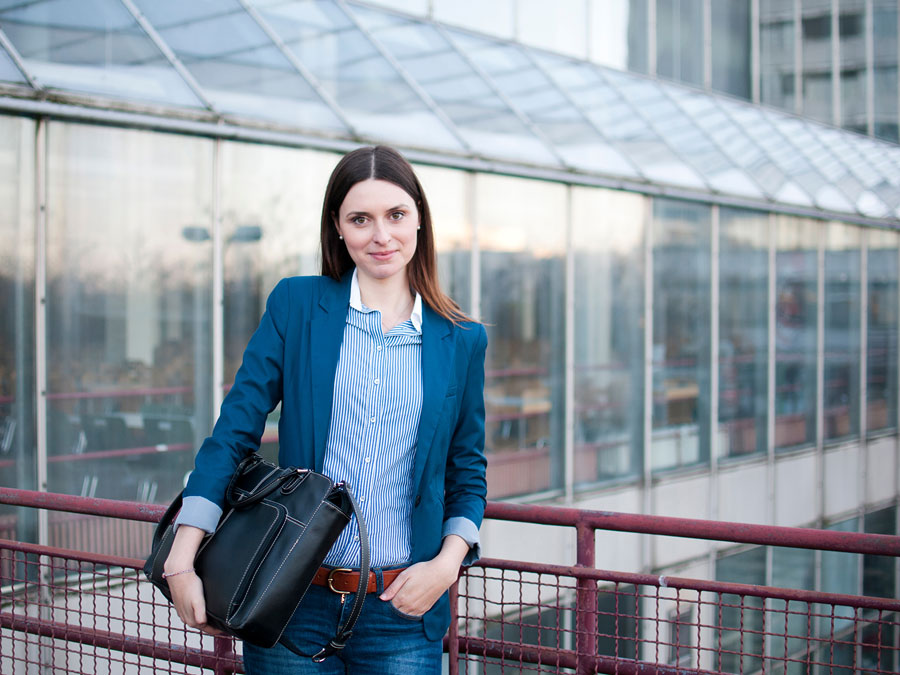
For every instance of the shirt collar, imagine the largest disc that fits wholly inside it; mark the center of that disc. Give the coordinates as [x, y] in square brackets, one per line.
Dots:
[356, 303]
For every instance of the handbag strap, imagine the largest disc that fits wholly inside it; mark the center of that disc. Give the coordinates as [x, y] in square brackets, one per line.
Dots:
[344, 632]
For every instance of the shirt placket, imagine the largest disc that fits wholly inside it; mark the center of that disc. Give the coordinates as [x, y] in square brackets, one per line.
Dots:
[374, 407]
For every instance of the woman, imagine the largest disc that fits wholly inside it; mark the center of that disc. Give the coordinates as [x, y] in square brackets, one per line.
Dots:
[380, 377]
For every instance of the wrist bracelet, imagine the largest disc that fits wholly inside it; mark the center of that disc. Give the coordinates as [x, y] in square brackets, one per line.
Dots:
[175, 574]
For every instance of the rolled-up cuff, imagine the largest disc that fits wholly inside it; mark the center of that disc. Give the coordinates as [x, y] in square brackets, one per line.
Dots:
[468, 531]
[198, 512]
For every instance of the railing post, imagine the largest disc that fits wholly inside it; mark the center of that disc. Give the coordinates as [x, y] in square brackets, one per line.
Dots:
[585, 603]
[453, 634]
[222, 649]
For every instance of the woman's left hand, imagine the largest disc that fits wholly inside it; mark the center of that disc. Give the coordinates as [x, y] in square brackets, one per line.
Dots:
[418, 587]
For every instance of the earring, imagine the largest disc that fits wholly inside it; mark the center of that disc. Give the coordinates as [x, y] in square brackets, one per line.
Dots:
[341, 237]
[419, 227]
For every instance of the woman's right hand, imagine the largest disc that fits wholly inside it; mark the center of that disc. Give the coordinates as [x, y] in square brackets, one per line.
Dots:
[186, 588]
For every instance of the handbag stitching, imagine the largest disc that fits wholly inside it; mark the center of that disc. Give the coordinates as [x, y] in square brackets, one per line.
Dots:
[284, 560]
[339, 510]
[262, 540]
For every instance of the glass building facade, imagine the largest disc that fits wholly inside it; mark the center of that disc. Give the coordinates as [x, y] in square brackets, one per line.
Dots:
[678, 285]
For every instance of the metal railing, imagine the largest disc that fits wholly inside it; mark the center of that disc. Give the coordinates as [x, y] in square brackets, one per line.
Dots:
[74, 611]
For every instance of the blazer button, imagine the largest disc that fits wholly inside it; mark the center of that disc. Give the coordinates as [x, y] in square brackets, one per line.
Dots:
[418, 500]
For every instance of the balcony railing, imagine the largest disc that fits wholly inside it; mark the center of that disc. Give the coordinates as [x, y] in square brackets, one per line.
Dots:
[77, 610]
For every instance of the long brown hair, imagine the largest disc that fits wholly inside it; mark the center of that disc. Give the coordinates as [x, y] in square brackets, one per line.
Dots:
[384, 163]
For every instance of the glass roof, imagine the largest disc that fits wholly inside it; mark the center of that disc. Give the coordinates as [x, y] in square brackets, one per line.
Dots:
[337, 68]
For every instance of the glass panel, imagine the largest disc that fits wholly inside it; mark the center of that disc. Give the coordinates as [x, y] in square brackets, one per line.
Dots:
[129, 260]
[881, 332]
[842, 331]
[743, 331]
[731, 47]
[791, 568]
[485, 121]
[522, 238]
[816, 41]
[529, 89]
[618, 112]
[558, 26]
[880, 571]
[840, 574]
[709, 114]
[741, 619]
[886, 74]
[8, 70]
[854, 94]
[681, 323]
[235, 62]
[92, 46]
[857, 178]
[608, 376]
[369, 90]
[619, 30]
[796, 306]
[18, 442]
[494, 18]
[679, 40]
[448, 193]
[419, 7]
[776, 37]
[695, 146]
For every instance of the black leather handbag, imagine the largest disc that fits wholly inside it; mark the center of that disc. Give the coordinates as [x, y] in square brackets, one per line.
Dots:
[276, 529]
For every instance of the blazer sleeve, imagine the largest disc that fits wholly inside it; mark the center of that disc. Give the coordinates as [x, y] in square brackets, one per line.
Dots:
[256, 391]
[465, 483]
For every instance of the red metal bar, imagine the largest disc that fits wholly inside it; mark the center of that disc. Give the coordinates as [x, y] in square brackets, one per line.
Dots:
[585, 602]
[771, 535]
[116, 641]
[451, 640]
[111, 508]
[80, 556]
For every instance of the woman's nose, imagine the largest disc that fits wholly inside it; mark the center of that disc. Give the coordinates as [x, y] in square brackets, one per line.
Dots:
[382, 234]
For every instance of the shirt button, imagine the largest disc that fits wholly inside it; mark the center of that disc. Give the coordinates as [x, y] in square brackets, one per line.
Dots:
[368, 459]
[356, 538]
[378, 348]
[372, 420]
[377, 381]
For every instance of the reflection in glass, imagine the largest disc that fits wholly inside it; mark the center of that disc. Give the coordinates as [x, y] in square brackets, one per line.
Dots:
[521, 234]
[879, 571]
[619, 30]
[731, 47]
[18, 442]
[447, 191]
[840, 574]
[608, 376]
[679, 40]
[816, 41]
[239, 67]
[681, 319]
[493, 18]
[796, 306]
[741, 619]
[92, 46]
[791, 568]
[854, 93]
[777, 69]
[885, 20]
[743, 331]
[366, 86]
[881, 331]
[128, 311]
[842, 331]
[8, 70]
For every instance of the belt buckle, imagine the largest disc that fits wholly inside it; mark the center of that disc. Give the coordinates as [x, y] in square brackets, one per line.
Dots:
[330, 581]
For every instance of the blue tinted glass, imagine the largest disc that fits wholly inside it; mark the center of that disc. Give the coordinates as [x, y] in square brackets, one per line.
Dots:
[483, 118]
[375, 98]
[8, 70]
[235, 62]
[92, 46]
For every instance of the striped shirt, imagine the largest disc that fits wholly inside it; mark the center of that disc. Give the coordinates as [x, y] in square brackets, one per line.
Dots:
[374, 430]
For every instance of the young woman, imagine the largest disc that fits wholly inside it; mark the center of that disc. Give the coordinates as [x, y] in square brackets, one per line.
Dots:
[380, 377]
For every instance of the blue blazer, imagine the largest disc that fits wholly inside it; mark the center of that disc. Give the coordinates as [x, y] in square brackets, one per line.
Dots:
[292, 358]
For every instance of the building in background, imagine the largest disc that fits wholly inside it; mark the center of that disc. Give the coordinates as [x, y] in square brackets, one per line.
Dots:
[678, 218]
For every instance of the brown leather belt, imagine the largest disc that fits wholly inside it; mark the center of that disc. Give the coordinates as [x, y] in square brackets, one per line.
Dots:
[343, 581]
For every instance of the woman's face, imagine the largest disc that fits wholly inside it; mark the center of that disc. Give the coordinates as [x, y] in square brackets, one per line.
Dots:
[378, 221]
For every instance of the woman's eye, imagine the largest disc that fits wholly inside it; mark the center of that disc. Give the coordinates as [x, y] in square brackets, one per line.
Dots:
[397, 215]
[358, 220]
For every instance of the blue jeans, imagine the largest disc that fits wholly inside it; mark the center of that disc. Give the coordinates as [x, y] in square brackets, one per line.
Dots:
[384, 641]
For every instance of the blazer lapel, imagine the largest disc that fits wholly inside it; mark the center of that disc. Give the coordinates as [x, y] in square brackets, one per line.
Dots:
[437, 367]
[326, 334]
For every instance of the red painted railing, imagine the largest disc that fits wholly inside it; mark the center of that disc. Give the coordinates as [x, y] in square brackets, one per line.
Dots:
[91, 610]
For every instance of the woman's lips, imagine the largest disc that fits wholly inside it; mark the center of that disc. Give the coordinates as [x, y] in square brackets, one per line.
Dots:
[382, 255]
